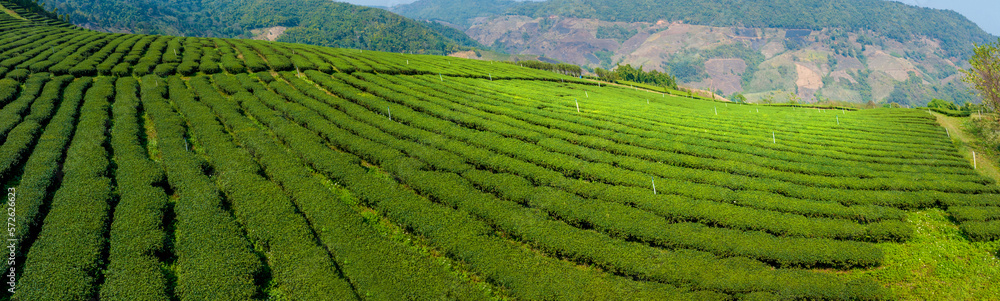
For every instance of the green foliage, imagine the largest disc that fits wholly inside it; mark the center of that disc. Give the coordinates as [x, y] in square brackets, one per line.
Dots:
[42, 166]
[383, 272]
[616, 32]
[455, 35]
[136, 235]
[314, 22]
[567, 69]
[258, 204]
[13, 112]
[751, 57]
[19, 139]
[214, 260]
[77, 215]
[654, 77]
[8, 90]
[454, 11]
[604, 56]
[605, 75]
[985, 73]
[970, 213]
[982, 231]
[938, 261]
[231, 186]
[686, 68]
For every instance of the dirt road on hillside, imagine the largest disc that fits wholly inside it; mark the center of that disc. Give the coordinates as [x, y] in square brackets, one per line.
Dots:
[985, 165]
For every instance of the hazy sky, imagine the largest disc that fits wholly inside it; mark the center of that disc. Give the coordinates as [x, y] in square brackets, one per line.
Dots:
[983, 12]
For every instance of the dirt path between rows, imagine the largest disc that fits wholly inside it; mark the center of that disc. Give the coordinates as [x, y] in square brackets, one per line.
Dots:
[985, 165]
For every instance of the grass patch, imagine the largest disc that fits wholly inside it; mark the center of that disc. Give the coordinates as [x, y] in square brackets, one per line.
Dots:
[939, 263]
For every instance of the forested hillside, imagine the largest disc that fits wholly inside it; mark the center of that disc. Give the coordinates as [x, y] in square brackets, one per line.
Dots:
[316, 22]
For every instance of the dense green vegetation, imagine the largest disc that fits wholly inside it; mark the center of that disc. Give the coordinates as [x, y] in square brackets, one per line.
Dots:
[637, 75]
[157, 167]
[567, 69]
[890, 18]
[616, 32]
[316, 22]
[458, 12]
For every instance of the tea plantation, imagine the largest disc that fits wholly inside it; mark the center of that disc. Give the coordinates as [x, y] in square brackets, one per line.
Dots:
[143, 167]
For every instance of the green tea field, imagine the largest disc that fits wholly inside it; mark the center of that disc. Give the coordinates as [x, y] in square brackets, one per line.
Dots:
[144, 167]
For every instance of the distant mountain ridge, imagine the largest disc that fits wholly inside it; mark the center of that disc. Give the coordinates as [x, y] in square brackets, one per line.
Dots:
[892, 19]
[769, 50]
[317, 22]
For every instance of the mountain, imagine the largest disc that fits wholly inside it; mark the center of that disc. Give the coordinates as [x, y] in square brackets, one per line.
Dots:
[317, 22]
[771, 50]
[458, 12]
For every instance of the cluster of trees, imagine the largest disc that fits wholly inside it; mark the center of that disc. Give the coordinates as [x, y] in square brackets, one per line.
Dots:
[616, 32]
[984, 75]
[629, 73]
[562, 68]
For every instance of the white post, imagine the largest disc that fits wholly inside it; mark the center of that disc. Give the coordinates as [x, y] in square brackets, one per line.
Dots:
[440, 77]
[948, 132]
[974, 166]
[716, 110]
[491, 76]
[390, 113]
[654, 184]
[647, 101]
[773, 140]
[758, 110]
[577, 105]
[407, 62]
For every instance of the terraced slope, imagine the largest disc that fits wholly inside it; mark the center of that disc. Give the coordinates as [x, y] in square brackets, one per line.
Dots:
[156, 167]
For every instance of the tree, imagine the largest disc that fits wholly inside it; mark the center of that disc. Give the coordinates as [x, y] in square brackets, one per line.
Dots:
[985, 74]
[738, 97]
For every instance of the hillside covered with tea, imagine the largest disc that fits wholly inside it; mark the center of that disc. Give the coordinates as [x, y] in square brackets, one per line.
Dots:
[148, 167]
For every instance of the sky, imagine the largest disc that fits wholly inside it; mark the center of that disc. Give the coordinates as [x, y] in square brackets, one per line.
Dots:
[982, 12]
